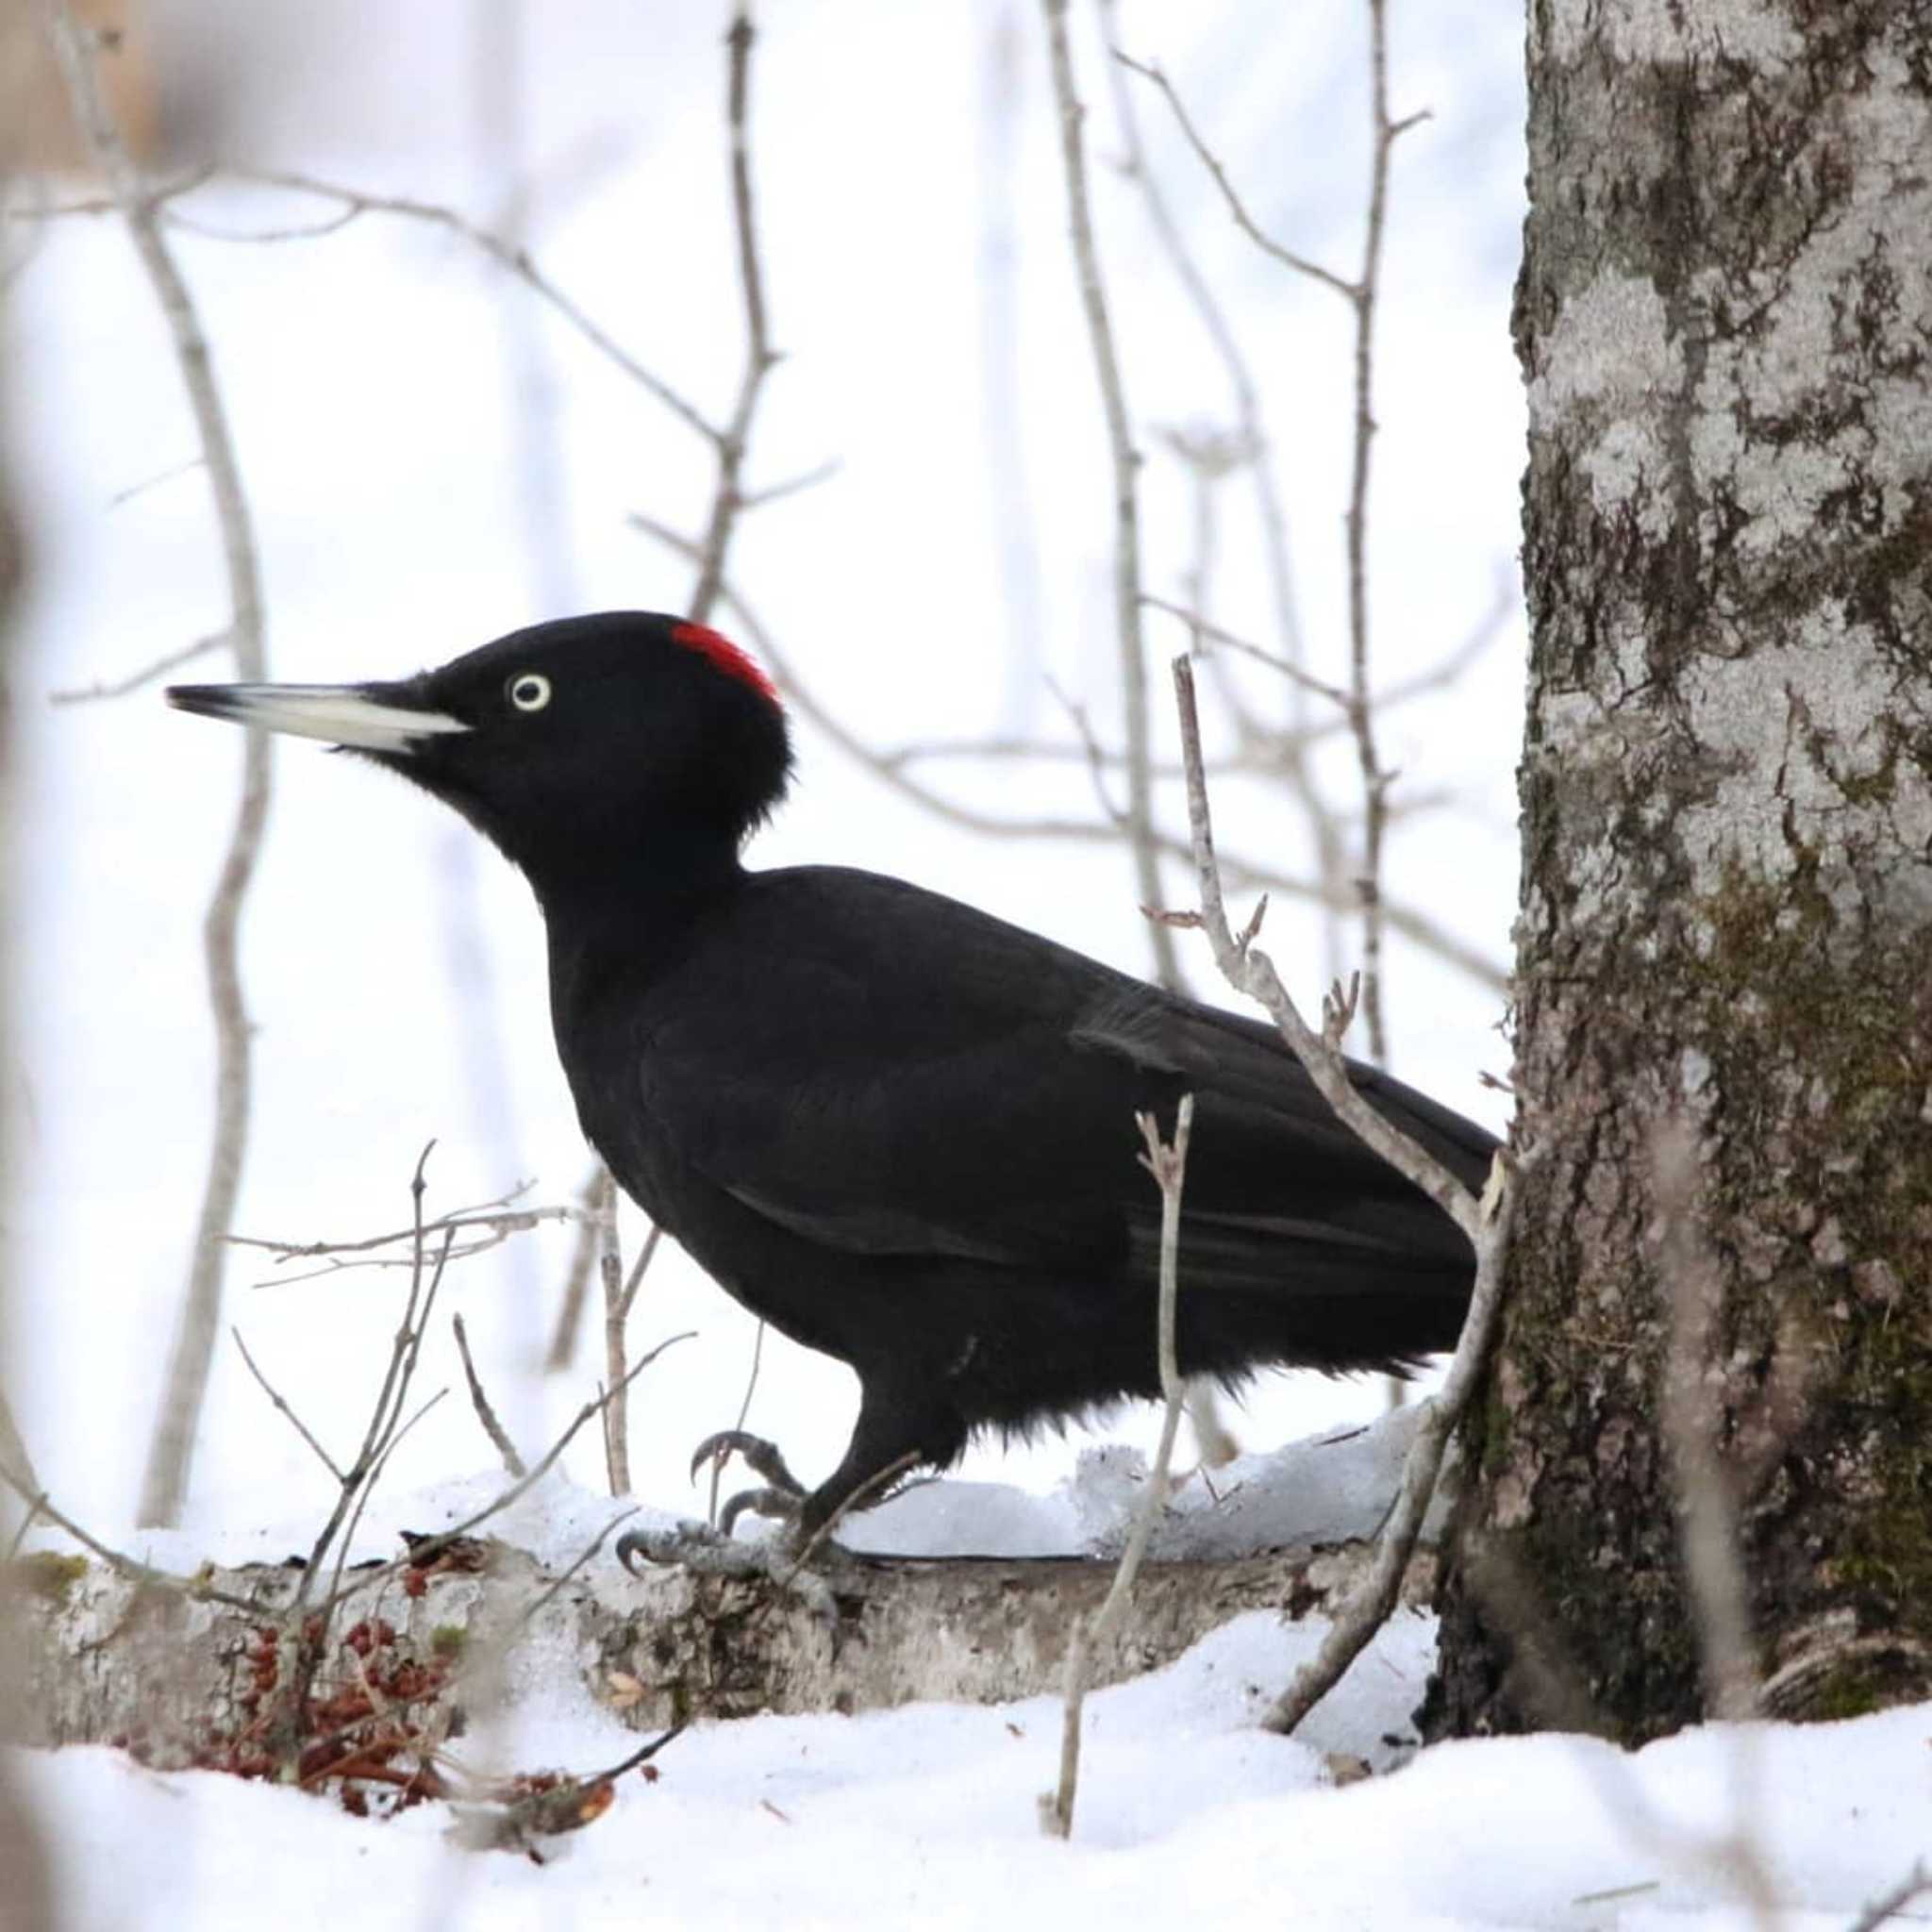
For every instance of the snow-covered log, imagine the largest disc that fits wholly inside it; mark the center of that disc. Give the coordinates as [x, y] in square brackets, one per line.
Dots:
[189, 1680]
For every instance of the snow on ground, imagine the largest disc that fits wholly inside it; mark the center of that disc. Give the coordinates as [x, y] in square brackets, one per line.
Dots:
[926, 1817]
[416, 495]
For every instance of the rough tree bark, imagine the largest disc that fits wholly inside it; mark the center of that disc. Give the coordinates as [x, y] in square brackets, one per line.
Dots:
[1723, 318]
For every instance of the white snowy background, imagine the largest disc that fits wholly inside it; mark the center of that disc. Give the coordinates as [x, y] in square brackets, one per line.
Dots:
[432, 460]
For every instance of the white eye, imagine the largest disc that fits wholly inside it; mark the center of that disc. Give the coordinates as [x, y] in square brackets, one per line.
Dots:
[529, 690]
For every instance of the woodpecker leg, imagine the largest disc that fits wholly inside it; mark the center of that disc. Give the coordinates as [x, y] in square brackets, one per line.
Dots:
[888, 1442]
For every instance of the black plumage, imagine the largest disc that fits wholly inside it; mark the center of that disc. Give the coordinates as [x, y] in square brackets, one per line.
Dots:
[898, 1129]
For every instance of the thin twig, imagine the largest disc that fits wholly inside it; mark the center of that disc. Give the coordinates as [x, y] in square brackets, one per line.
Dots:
[479, 1214]
[516, 261]
[577, 1280]
[1236, 207]
[1890, 1902]
[429, 1549]
[171, 1449]
[1420, 928]
[645, 1255]
[1362, 296]
[728, 504]
[1202, 629]
[479, 1401]
[1250, 970]
[751, 1383]
[496, 1230]
[1251, 434]
[274, 1395]
[391, 1443]
[92, 694]
[610, 1271]
[530, 1613]
[1486, 1223]
[1096, 757]
[1361, 714]
[728, 497]
[40, 1505]
[13, 1450]
[792, 485]
[1126, 464]
[405, 1350]
[1370, 1603]
[499, 1229]
[45, 212]
[1279, 745]
[873, 1490]
[1168, 1164]
[1291, 747]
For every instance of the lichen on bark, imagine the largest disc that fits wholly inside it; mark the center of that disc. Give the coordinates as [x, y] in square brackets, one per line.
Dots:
[1725, 319]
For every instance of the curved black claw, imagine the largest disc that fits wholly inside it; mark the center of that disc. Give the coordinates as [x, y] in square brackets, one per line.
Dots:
[765, 1458]
[705, 1553]
[781, 1505]
[696, 1543]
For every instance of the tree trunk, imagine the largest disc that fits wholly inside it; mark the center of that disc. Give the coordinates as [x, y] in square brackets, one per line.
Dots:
[1723, 318]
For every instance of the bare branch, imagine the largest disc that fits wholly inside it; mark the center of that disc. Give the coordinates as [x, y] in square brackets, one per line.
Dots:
[427, 1550]
[1251, 435]
[577, 1280]
[645, 1255]
[486, 1414]
[1890, 1902]
[384, 1431]
[1487, 1224]
[391, 1443]
[1503, 601]
[40, 1505]
[274, 1395]
[1250, 970]
[1236, 207]
[1369, 1606]
[516, 261]
[1361, 716]
[160, 667]
[533, 1609]
[610, 1271]
[727, 498]
[172, 1449]
[1279, 745]
[14, 1453]
[478, 1214]
[874, 1489]
[1125, 461]
[1290, 748]
[750, 1384]
[792, 485]
[495, 1230]
[1096, 757]
[1167, 1163]
[1362, 294]
[1202, 629]
[1420, 928]
[45, 210]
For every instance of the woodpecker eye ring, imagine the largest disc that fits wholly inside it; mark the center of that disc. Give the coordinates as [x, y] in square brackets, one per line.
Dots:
[529, 690]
